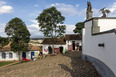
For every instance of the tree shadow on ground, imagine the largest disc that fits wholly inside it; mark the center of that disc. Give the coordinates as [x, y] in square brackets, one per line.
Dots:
[79, 68]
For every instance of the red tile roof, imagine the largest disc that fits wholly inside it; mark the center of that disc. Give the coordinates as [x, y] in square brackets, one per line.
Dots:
[73, 37]
[57, 41]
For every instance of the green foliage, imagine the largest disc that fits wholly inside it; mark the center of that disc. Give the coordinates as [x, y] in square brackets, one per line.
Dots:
[48, 23]
[3, 41]
[4, 63]
[19, 34]
[79, 27]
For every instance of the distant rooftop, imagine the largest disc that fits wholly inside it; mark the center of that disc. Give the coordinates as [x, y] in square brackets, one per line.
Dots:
[39, 38]
[57, 41]
[73, 37]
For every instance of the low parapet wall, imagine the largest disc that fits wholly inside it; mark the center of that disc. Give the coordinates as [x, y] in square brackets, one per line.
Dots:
[100, 49]
[101, 67]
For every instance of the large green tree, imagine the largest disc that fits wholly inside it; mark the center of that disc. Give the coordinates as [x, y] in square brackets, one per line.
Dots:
[78, 28]
[3, 41]
[20, 36]
[50, 23]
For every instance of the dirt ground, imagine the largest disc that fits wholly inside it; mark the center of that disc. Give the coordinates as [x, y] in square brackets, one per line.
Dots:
[68, 65]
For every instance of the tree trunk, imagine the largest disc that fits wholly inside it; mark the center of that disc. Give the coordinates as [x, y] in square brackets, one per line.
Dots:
[52, 48]
[19, 56]
[53, 45]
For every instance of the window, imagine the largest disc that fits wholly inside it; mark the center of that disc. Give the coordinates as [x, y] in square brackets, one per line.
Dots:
[3, 55]
[10, 55]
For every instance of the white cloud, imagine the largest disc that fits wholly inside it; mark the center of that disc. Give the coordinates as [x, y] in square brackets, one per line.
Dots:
[2, 28]
[69, 29]
[36, 5]
[52, 5]
[34, 29]
[66, 9]
[33, 21]
[77, 5]
[2, 3]
[2, 24]
[112, 8]
[5, 8]
[34, 26]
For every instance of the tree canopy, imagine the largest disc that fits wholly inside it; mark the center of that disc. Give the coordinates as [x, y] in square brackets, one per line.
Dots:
[50, 23]
[20, 36]
[78, 27]
[3, 41]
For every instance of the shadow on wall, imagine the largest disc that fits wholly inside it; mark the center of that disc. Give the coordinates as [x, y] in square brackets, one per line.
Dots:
[79, 68]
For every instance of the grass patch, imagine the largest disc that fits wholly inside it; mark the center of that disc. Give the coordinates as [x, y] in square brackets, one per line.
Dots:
[4, 63]
[20, 62]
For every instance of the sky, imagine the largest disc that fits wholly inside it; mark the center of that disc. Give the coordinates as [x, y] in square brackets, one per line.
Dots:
[74, 11]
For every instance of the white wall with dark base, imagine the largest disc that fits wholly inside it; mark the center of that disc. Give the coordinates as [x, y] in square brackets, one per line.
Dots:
[8, 57]
[107, 54]
[46, 50]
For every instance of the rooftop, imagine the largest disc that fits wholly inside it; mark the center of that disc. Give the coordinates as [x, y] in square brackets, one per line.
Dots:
[57, 41]
[73, 37]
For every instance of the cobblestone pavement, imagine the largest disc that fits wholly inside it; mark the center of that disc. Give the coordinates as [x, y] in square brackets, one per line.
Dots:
[68, 65]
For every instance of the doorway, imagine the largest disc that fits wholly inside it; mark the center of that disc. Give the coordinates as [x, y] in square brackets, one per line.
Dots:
[32, 54]
[61, 49]
[50, 49]
[73, 45]
[24, 54]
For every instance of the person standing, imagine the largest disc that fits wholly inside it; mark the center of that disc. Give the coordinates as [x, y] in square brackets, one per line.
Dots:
[41, 54]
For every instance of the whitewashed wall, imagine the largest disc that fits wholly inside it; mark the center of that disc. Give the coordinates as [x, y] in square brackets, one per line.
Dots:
[15, 56]
[105, 54]
[70, 42]
[106, 24]
[45, 46]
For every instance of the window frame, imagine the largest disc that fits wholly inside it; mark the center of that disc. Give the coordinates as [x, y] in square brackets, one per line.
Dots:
[10, 55]
[3, 55]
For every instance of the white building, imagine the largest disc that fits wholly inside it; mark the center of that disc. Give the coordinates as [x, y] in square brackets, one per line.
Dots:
[59, 45]
[68, 43]
[72, 41]
[99, 44]
[7, 55]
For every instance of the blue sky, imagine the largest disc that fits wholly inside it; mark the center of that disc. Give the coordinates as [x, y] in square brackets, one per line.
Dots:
[73, 10]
